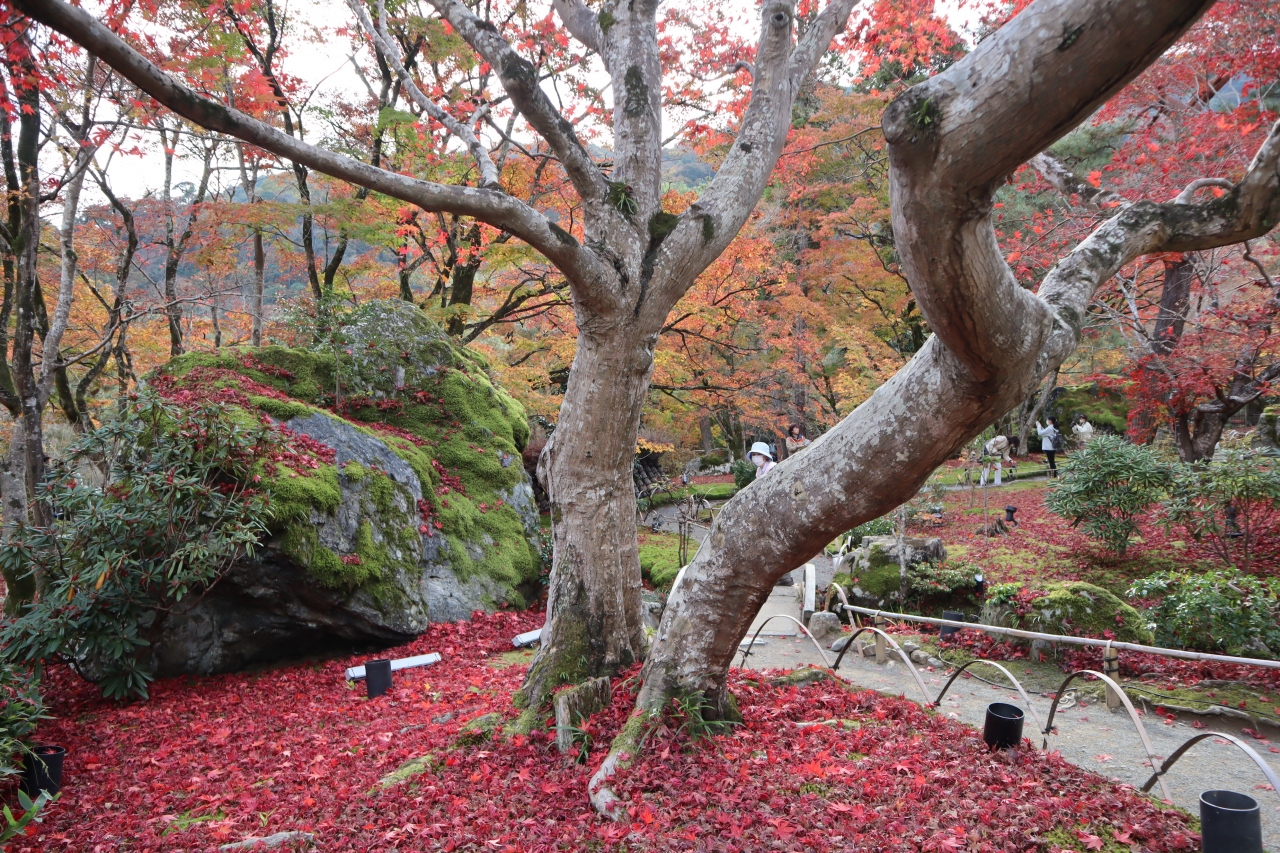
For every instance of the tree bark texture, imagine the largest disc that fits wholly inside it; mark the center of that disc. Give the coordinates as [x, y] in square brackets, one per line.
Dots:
[952, 141]
[586, 468]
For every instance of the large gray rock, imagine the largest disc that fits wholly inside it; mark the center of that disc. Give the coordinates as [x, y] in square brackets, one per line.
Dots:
[824, 626]
[418, 516]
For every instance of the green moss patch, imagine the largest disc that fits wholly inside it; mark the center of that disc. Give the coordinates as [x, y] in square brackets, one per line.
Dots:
[660, 558]
[400, 380]
[1070, 608]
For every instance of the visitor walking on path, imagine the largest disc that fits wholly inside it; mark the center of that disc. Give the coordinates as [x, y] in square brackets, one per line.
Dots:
[796, 440]
[761, 457]
[1083, 429]
[996, 452]
[1050, 443]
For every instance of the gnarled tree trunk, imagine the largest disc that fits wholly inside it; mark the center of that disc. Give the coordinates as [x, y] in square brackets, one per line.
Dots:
[952, 141]
[586, 469]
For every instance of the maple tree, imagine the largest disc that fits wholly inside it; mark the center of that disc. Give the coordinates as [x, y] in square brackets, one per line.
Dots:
[628, 255]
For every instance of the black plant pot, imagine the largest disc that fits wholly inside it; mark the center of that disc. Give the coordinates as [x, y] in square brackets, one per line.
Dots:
[377, 677]
[947, 630]
[1230, 823]
[42, 771]
[1003, 728]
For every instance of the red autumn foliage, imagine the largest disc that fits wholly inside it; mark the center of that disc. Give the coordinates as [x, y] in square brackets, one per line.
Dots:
[213, 760]
[1051, 549]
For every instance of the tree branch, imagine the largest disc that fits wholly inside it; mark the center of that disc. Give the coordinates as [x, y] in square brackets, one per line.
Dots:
[391, 55]
[958, 136]
[714, 220]
[592, 280]
[581, 22]
[520, 80]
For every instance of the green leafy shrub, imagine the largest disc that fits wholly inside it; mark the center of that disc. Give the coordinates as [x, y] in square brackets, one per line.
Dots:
[1224, 611]
[171, 518]
[942, 583]
[21, 707]
[1230, 505]
[1107, 486]
[712, 459]
[1066, 608]
[744, 473]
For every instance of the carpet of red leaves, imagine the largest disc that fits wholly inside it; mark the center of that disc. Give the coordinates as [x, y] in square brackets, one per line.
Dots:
[711, 479]
[1079, 557]
[212, 760]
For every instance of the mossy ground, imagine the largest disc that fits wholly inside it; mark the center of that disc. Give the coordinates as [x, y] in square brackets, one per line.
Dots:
[659, 558]
[436, 408]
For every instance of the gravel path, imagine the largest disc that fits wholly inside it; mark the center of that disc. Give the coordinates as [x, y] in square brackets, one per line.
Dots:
[1088, 735]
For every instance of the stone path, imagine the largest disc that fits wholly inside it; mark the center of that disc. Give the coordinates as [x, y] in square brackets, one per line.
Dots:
[1088, 735]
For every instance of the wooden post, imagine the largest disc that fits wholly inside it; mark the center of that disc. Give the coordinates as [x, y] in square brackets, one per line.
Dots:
[1111, 669]
[881, 652]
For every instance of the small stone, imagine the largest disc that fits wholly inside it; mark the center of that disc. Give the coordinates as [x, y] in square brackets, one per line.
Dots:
[868, 651]
[443, 718]
[919, 656]
[936, 662]
[824, 625]
[270, 841]
[909, 647]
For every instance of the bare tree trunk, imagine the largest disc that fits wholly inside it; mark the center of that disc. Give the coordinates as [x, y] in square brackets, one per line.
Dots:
[259, 268]
[593, 625]
[1033, 417]
[1175, 297]
[704, 433]
[993, 341]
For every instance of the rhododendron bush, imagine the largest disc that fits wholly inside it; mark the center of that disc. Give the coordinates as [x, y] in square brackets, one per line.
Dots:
[822, 766]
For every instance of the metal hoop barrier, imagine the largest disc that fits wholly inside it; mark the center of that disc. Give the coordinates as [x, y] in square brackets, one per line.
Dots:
[834, 590]
[1180, 751]
[905, 657]
[799, 624]
[1009, 675]
[1128, 706]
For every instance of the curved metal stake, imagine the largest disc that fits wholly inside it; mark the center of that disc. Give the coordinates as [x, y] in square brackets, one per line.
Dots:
[799, 624]
[1178, 753]
[1128, 706]
[901, 654]
[833, 590]
[1009, 675]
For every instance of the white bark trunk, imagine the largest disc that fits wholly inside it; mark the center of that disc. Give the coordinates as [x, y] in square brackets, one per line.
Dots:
[593, 608]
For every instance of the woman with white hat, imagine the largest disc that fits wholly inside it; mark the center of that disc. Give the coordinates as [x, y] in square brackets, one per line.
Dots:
[761, 457]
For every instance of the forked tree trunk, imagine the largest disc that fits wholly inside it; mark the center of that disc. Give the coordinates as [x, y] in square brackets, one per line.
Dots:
[593, 626]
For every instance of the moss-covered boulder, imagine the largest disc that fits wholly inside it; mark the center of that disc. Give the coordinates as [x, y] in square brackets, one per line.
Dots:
[1105, 408]
[871, 574]
[1066, 608]
[1267, 435]
[397, 499]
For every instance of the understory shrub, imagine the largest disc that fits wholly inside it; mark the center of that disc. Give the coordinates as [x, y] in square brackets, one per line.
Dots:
[744, 473]
[1223, 611]
[1229, 505]
[1067, 608]
[946, 584]
[172, 517]
[1107, 486]
[21, 708]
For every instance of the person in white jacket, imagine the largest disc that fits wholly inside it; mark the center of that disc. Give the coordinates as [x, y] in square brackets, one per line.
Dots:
[1082, 429]
[1050, 438]
[996, 452]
